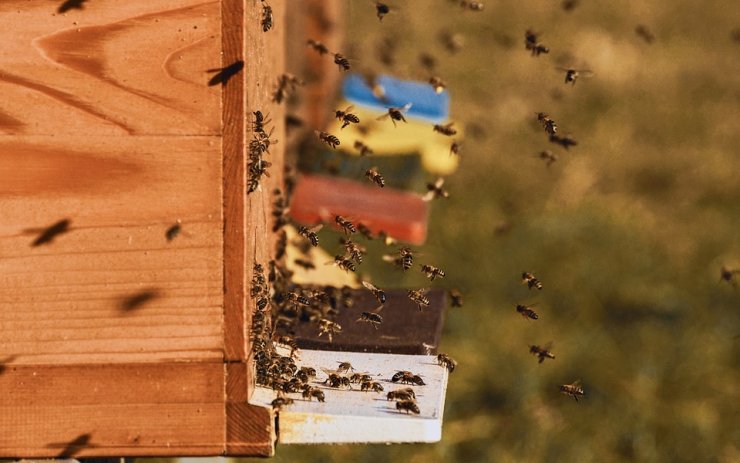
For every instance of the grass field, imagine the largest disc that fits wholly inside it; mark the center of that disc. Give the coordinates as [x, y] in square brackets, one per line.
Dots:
[627, 231]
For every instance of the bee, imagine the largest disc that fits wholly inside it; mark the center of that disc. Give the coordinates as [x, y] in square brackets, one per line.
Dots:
[288, 341]
[310, 371]
[396, 114]
[360, 378]
[310, 234]
[408, 406]
[548, 156]
[281, 245]
[318, 47]
[531, 281]
[564, 141]
[337, 381]
[574, 389]
[445, 129]
[344, 263]
[542, 352]
[419, 298]
[407, 377]
[354, 250]
[456, 298]
[362, 148]
[432, 272]
[285, 86]
[327, 138]
[346, 117]
[571, 75]
[345, 224]
[372, 318]
[371, 386]
[305, 264]
[531, 43]
[437, 84]
[173, 231]
[727, 274]
[447, 362]
[365, 231]
[281, 402]
[374, 176]
[297, 299]
[388, 240]
[644, 33]
[381, 9]
[344, 367]
[402, 394]
[378, 293]
[404, 260]
[329, 328]
[547, 123]
[455, 148]
[473, 6]
[266, 16]
[527, 312]
[260, 121]
[435, 190]
[310, 392]
[342, 62]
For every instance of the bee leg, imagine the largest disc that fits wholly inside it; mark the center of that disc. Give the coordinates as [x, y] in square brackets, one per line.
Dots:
[575, 397]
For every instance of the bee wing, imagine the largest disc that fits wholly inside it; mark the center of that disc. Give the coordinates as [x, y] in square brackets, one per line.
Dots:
[316, 228]
[405, 107]
[428, 196]
[349, 108]
[383, 117]
[548, 346]
[576, 383]
[389, 258]
[440, 181]
[369, 286]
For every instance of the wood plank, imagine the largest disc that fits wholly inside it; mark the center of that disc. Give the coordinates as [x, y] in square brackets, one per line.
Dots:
[111, 410]
[117, 68]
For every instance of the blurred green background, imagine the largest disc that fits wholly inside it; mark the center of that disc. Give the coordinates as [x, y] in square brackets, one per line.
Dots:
[627, 231]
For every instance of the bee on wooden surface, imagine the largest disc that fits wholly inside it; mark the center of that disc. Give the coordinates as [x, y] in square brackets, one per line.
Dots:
[447, 362]
[419, 298]
[354, 250]
[310, 371]
[310, 234]
[381, 9]
[565, 141]
[360, 378]
[327, 138]
[574, 389]
[281, 402]
[288, 341]
[346, 225]
[533, 44]
[337, 381]
[267, 20]
[371, 318]
[285, 86]
[547, 123]
[456, 298]
[318, 46]
[404, 260]
[311, 392]
[408, 406]
[346, 117]
[305, 264]
[371, 386]
[531, 281]
[396, 114]
[527, 312]
[542, 352]
[445, 129]
[362, 148]
[432, 272]
[644, 33]
[378, 293]
[374, 176]
[548, 156]
[342, 62]
[727, 274]
[330, 328]
[437, 84]
[260, 121]
[471, 5]
[402, 394]
[571, 75]
[452, 42]
[173, 231]
[407, 377]
[435, 190]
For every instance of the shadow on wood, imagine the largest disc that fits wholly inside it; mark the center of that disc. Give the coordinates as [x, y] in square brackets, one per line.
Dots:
[224, 74]
[48, 234]
[136, 301]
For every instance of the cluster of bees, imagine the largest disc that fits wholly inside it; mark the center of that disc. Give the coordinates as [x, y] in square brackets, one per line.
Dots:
[258, 146]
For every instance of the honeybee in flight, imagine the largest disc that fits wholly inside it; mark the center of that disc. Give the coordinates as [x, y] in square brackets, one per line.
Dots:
[548, 156]
[419, 298]
[456, 298]
[354, 250]
[329, 328]
[345, 225]
[378, 293]
[455, 147]
[404, 260]
[445, 129]
[435, 190]
[318, 46]
[362, 148]
[727, 274]
[344, 263]
[310, 234]
[550, 127]
[533, 44]
[542, 352]
[571, 75]
[432, 272]
[472, 5]
[396, 114]
[346, 117]
[371, 318]
[574, 389]
[527, 312]
[531, 281]
[374, 176]
[437, 84]
[381, 9]
[327, 138]
[342, 62]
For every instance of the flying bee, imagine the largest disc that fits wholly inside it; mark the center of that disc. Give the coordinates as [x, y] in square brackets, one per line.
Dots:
[342, 62]
[344, 263]
[547, 123]
[527, 312]
[456, 298]
[644, 33]
[535, 46]
[267, 20]
[446, 361]
[285, 86]
[445, 129]
[371, 318]
[565, 141]
[362, 148]
[354, 250]
[531, 281]
[381, 9]
[346, 117]
[542, 352]
[404, 260]
[548, 156]
[345, 225]
[329, 328]
[727, 274]
[418, 297]
[344, 367]
[297, 299]
[318, 47]
[310, 234]
[371, 386]
[435, 190]
[365, 231]
[396, 114]
[437, 84]
[574, 389]
[571, 75]
[473, 6]
[432, 272]
[378, 293]
[374, 176]
[455, 148]
[402, 394]
[327, 138]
